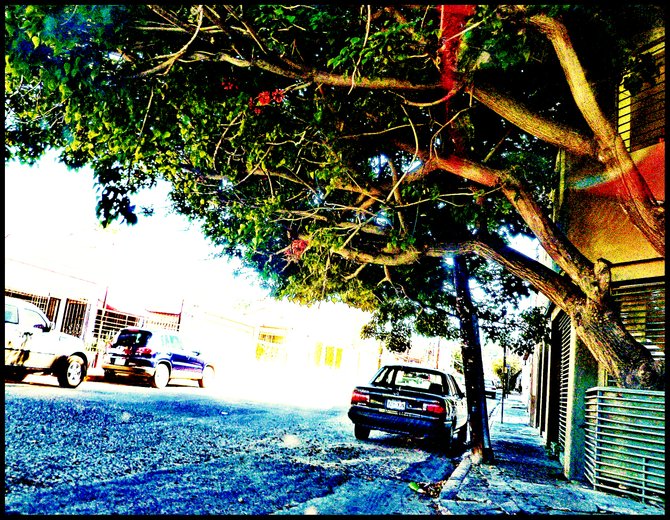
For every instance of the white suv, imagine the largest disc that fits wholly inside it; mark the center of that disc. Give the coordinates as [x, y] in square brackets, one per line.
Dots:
[31, 345]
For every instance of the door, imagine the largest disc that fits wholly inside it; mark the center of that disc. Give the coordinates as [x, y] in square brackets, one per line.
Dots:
[183, 361]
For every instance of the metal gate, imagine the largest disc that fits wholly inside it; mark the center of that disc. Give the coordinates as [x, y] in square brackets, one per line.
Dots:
[625, 442]
[563, 342]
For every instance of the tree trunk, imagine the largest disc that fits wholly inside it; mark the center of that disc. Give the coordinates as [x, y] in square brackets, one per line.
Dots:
[473, 369]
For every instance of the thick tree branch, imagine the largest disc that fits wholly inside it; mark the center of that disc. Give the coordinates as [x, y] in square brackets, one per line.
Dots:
[556, 287]
[326, 78]
[545, 129]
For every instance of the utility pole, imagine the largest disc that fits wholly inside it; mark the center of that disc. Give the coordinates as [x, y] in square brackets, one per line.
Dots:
[504, 384]
[473, 369]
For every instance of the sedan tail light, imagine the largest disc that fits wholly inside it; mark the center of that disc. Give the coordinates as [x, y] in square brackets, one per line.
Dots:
[435, 408]
[360, 397]
[143, 351]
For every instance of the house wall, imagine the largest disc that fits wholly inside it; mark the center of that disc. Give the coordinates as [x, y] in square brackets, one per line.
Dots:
[595, 221]
[590, 211]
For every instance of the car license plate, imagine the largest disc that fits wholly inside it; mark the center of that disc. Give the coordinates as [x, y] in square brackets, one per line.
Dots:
[115, 361]
[394, 404]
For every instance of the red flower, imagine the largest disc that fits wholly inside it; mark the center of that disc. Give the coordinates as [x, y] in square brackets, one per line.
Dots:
[228, 85]
[264, 98]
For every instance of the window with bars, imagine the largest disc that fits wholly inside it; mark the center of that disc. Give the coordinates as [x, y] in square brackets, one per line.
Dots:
[641, 121]
[328, 356]
[642, 310]
[48, 304]
[270, 347]
[73, 319]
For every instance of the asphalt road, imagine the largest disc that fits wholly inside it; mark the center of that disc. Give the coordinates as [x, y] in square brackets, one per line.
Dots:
[107, 448]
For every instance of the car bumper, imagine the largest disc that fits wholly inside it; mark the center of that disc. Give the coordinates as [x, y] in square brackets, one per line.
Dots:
[130, 371]
[398, 422]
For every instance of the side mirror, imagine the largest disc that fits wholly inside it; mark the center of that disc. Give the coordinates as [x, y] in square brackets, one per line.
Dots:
[46, 328]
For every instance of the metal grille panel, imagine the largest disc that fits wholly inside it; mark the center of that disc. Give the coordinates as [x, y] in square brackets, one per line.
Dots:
[625, 442]
[642, 308]
[564, 344]
[641, 121]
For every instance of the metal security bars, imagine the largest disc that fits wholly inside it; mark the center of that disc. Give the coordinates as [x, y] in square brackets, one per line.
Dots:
[625, 442]
[642, 308]
[563, 342]
[641, 120]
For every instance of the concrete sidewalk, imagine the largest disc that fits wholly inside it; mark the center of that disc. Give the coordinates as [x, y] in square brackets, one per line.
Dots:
[523, 480]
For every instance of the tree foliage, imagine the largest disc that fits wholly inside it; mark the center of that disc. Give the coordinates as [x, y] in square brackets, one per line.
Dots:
[317, 143]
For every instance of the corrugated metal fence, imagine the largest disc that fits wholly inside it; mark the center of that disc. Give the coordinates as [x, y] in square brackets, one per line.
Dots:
[625, 442]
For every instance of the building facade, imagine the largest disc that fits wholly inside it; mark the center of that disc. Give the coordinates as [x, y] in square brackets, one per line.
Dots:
[610, 437]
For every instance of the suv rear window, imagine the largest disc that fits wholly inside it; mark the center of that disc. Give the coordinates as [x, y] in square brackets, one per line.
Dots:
[133, 339]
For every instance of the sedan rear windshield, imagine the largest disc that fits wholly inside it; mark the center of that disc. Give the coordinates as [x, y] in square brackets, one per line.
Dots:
[412, 379]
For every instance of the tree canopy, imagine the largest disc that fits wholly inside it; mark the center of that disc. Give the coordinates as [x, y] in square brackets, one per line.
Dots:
[323, 146]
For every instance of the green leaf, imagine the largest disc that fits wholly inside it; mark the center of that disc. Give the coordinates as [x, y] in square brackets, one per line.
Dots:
[416, 488]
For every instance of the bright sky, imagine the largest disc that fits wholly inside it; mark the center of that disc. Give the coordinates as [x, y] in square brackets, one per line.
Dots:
[50, 221]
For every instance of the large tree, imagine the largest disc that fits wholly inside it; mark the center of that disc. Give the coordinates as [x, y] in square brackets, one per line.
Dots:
[327, 148]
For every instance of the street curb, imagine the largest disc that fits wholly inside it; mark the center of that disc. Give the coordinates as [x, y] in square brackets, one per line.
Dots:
[453, 484]
[455, 480]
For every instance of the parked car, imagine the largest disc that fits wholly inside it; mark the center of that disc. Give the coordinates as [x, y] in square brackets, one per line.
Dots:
[156, 356]
[490, 388]
[411, 400]
[33, 346]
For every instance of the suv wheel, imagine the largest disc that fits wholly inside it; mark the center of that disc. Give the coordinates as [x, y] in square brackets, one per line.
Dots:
[161, 376]
[207, 377]
[72, 373]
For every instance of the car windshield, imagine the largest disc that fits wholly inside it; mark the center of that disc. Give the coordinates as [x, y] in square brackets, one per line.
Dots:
[11, 314]
[411, 378]
[133, 338]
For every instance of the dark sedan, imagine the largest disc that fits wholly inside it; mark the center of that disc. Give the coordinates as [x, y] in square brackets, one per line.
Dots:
[410, 400]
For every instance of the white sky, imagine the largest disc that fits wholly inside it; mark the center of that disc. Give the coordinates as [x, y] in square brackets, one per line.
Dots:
[50, 221]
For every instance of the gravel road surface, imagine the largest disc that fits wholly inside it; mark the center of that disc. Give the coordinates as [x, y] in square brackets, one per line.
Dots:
[123, 449]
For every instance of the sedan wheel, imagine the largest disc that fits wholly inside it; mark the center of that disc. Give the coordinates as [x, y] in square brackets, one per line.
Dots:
[207, 377]
[161, 376]
[462, 436]
[73, 373]
[361, 432]
[446, 441]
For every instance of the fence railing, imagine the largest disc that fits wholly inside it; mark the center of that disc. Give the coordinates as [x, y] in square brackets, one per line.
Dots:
[625, 442]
